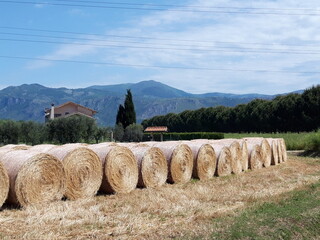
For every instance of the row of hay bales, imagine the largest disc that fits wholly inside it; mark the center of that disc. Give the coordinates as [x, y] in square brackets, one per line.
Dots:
[45, 173]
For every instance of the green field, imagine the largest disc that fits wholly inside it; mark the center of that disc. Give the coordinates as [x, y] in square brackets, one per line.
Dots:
[295, 216]
[294, 141]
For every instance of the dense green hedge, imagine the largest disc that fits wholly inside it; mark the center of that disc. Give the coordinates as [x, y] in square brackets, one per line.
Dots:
[285, 113]
[184, 136]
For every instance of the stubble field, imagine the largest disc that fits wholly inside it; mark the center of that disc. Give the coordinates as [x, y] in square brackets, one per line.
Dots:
[175, 211]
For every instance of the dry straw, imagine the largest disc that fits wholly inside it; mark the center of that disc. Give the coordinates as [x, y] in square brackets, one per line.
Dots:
[280, 151]
[34, 177]
[16, 147]
[204, 160]
[120, 169]
[283, 149]
[274, 151]
[82, 167]
[236, 153]
[224, 158]
[180, 160]
[4, 184]
[153, 166]
[266, 153]
[244, 155]
[255, 157]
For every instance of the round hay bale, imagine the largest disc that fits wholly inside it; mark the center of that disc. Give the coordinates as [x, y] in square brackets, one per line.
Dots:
[180, 160]
[244, 155]
[224, 158]
[236, 153]
[236, 156]
[255, 158]
[266, 153]
[284, 150]
[274, 151]
[265, 149]
[82, 167]
[34, 177]
[204, 160]
[4, 184]
[280, 151]
[244, 158]
[275, 155]
[152, 164]
[120, 169]
[223, 154]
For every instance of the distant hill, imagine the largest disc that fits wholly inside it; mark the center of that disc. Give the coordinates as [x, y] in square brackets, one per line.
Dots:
[28, 101]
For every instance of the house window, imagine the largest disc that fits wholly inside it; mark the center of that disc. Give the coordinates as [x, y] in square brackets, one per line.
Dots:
[57, 115]
[66, 113]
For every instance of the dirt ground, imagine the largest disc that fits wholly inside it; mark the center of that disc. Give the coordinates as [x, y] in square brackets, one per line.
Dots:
[172, 211]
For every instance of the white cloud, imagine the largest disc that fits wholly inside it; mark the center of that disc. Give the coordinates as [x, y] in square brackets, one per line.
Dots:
[216, 28]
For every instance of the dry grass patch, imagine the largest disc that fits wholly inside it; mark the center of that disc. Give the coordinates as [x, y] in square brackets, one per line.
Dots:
[171, 211]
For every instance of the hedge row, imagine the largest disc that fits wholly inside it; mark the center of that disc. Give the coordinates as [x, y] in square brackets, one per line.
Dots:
[183, 136]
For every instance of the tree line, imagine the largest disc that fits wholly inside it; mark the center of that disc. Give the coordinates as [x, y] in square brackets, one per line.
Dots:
[285, 113]
[58, 131]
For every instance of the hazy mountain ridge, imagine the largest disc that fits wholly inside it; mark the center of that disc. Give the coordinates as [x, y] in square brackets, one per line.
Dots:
[28, 101]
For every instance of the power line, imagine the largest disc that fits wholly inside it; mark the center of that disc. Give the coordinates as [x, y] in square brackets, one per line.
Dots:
[160, 9]
[159, 67]
[197, 48]
[152, 38]
[190, 6]
[246, 50]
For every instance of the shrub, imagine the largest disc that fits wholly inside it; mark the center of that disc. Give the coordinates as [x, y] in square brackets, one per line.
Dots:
[313, 142]
[184, 136]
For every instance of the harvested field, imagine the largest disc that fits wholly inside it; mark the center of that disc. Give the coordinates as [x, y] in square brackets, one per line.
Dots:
[172, 211]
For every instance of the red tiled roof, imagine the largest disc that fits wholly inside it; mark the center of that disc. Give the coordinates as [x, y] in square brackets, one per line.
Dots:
[156, 129]
[72, 103]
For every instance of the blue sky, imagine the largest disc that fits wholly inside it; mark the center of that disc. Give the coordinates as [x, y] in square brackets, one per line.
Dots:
[198, 46]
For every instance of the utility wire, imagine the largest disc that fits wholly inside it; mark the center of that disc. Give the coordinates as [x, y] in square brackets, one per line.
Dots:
[247, 50]
[159, 9]
[191, 6]
[152, 38]
[195, 47]
[159, 67]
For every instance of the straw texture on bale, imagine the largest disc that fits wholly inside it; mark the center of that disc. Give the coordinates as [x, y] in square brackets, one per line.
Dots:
[204, 160]
[16, 147]
[152, 164]
[4, 184]
[255, 158]
[120, 169]
[82, 167]
[280, 151]
[34, 177]
[244, 155]
[224, 158]
[274, 151]
[284, 150]
[236, 155]
[180, 160]
[265, 151]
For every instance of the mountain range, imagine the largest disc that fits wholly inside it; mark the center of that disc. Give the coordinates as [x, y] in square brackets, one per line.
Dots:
[151, 98]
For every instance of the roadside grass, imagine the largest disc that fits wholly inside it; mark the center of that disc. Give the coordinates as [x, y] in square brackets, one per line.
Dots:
[294, 141]
[293, 215]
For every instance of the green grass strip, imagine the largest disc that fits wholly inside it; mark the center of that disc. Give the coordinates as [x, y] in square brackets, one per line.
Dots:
[297, 216]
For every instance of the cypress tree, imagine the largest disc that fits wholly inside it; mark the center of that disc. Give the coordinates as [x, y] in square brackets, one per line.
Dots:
[126, 114]
[130, 114]
[120, 115]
